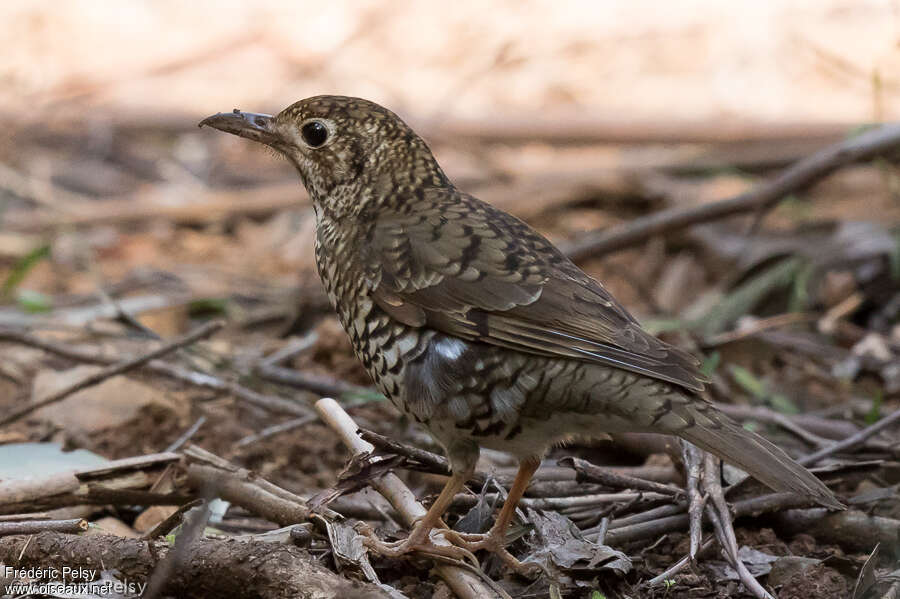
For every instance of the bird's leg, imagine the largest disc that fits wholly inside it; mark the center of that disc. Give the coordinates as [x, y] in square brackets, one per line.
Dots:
[419, 538]
[495, 540]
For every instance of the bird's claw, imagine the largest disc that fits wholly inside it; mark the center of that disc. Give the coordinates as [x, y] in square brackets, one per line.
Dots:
[419, 541]
[495, 543]
[461, 546]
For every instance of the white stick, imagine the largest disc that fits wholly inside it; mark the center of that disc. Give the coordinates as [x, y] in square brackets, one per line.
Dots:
[465, 584]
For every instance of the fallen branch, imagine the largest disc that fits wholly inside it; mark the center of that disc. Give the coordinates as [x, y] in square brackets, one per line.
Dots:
[669, 523]
[124, 481]
[851, 529]
[851, 441]
[595, 474]
[799, 176]
[28, 527]
[232, 569]
[242, 487]
[202, 332]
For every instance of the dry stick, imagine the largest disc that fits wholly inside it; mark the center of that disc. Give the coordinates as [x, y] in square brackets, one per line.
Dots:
[720, 517]
[822, 429]
[30, 527]
[692, 458]
[462, 581]
[798, 176]
[642, 528]
[427, 461]
[316, 383]
[746, 507]
[245, 488]
[275, 429]
[434, 462]
[595, 474]
[678, 566]
[199, 379]
[186, 435]
[729, 549]
[851, 441]
[116, 369]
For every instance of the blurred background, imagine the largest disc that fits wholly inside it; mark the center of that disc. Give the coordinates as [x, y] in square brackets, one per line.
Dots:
[121, 220]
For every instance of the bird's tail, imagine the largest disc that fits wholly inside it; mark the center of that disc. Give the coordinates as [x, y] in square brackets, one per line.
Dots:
[716, 433]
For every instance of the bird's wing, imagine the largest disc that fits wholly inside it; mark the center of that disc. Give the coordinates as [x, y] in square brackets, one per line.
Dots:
[463, 267]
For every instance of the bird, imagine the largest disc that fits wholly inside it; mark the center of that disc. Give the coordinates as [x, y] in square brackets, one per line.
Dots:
[475, 325]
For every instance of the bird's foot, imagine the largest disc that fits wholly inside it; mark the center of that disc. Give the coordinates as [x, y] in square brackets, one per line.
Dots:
[493, 542]
[422, 539]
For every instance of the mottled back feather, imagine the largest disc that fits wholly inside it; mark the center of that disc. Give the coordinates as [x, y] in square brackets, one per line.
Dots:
[463, 267]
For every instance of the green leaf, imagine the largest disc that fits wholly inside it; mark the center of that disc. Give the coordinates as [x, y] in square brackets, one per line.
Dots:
[597, 595]
[782, 403]
[207, 306]
[800, 289]
[655, 326]
[756, 387]
[746, 296]
[21, 268]
[354, 398]
[874, 414]
[748, 381]
[710, 363]
[894, 259]
[34, 301]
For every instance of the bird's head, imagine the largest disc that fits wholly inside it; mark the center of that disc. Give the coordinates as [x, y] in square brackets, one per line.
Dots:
[351, 153]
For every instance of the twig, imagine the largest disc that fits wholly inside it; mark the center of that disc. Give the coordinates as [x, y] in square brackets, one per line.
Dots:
[116, 369]
[30, 527]
[171, 521]
[294, 347]
[678, 566]
[275, 429]
[692, 459]
[199, 379]
[818, 429]
[318, 384]
[718, 513]
[729, 549]
[186, 435]
[747, 507]
[798, 176]
[244, 488]
[851, 441]
[589, 472]
[757, 326]
[463, 582]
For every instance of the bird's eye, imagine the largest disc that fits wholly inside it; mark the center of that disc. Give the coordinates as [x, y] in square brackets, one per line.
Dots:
[314, 133]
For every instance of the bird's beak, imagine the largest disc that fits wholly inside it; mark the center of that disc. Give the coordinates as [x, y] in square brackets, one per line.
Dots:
[258, 127]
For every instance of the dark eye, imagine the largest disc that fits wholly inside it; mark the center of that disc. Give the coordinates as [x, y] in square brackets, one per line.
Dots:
[314, 133]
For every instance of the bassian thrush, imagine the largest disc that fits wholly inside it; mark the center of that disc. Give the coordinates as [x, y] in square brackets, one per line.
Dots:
[474, 324]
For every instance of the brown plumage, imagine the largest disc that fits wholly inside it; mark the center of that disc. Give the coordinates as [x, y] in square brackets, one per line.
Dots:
[473, 323]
